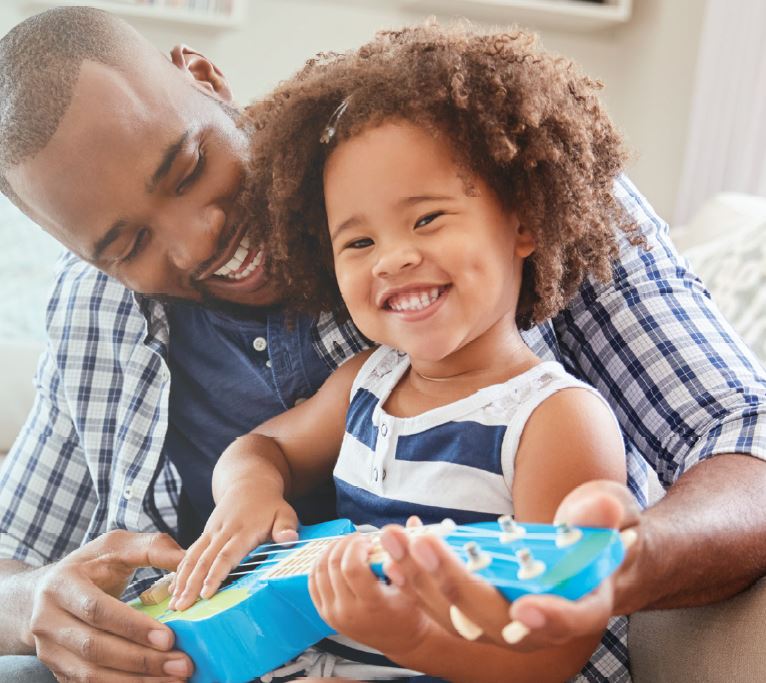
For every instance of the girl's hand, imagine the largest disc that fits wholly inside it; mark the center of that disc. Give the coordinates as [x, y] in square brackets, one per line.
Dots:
[237, 525]
[357, 604]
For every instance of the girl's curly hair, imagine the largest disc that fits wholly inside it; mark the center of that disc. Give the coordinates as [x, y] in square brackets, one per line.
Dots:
[527, 122]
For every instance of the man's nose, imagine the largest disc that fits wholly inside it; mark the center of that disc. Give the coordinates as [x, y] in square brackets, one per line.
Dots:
[395, 258]
[192, 236]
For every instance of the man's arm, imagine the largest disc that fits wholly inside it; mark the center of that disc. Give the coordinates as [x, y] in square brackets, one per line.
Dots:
[703, 542]
[16, 588]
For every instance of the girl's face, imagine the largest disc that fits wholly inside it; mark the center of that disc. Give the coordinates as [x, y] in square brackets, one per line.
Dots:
[421, 265]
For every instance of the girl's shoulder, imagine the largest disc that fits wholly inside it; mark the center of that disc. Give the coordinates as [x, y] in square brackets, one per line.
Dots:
[382, 369]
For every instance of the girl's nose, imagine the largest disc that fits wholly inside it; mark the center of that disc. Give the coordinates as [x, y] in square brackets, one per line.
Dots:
[395, 259]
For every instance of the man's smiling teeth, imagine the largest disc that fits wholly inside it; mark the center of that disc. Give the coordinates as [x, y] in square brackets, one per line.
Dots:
[413, 301]
[230, 269]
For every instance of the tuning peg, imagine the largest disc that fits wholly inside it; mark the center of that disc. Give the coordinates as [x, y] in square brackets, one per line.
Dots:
[476, 558]
[567, 535]
[510, 530]
[530, 567]
[158, 591]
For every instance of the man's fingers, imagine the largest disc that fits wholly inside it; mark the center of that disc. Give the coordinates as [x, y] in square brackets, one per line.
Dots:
[141, 550]
[599, 503]
[68, 667]
[102, 649]
[552, 620]
[103, 612]
[474, 598]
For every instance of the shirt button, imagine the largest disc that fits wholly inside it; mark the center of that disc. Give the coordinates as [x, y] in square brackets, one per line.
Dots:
[375, 474]
[384, 475]
[127, 494]
[259, 344]
[384, 429]
[298, 401]
[268, 363]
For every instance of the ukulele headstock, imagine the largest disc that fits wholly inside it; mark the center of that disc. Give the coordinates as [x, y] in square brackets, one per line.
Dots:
[521, 559]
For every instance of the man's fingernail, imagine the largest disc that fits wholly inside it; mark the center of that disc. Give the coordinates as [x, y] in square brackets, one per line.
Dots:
[176, 667]
[514, 632]
[628, 537]
[393, 546]
[424, 555]
[160, 639]
[533, 618]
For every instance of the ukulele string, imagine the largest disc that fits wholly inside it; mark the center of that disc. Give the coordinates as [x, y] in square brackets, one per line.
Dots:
[274, 557]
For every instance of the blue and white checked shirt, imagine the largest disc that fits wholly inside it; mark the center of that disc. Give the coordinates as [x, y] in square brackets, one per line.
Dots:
[89, 458]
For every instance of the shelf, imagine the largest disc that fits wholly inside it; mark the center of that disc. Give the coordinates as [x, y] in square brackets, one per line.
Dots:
[211, 19]
[579, 15]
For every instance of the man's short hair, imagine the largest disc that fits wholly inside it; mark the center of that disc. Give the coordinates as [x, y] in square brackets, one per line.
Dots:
[40, 62]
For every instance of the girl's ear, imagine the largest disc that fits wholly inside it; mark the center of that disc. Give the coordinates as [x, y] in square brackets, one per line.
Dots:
[525, 242]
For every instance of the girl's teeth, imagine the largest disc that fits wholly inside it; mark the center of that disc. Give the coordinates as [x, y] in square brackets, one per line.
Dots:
[414, 302]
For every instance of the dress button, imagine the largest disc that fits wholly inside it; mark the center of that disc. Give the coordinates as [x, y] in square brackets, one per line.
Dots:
[384, 429]
[298, 401]
[127, 494]
[259, 344]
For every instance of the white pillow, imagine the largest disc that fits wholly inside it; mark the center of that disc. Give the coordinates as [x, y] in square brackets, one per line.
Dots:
[733, 268]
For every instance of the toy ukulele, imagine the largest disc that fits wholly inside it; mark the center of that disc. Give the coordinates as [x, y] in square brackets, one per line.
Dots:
[263, 616]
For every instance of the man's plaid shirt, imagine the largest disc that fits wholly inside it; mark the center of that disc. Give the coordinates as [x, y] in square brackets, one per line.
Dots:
[89, 458]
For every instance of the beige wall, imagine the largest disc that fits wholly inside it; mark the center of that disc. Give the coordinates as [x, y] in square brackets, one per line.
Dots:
[647, 64]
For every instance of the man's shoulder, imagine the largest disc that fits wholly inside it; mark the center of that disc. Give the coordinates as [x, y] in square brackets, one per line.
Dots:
[83, 296]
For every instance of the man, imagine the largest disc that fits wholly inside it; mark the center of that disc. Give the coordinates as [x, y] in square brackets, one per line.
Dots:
[135, 164]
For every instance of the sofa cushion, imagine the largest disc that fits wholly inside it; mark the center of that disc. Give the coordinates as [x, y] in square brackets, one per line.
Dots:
[733, 268]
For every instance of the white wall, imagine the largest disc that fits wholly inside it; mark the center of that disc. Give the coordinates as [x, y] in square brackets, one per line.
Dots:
[647, 64]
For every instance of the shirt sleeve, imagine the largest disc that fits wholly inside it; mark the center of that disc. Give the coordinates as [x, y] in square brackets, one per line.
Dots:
[46, 491]
[682, 383]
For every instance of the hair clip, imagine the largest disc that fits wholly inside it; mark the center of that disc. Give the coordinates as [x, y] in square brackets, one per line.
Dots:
[332, 125]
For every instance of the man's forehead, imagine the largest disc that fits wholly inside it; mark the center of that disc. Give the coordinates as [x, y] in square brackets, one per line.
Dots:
[109, 140]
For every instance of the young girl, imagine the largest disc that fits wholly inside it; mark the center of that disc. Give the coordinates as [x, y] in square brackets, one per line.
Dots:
[460, 186]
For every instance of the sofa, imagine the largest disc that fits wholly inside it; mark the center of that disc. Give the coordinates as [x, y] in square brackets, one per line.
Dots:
[724, 242]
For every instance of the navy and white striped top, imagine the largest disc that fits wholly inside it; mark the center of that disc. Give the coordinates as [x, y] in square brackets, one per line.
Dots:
[454, 461]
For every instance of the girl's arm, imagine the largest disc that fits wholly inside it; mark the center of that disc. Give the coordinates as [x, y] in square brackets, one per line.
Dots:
[570, 438]
[284, 457]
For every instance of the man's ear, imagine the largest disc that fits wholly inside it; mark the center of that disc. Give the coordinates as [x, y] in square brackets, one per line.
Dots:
[204, 74]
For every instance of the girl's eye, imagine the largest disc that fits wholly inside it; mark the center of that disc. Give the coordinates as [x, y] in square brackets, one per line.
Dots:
[425, 220]
[138, 245]
[361, 243]
[196, 171]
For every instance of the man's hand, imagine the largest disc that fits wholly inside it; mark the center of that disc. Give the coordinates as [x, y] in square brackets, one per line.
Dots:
[82, 631]
[234, 528]
[427, 569]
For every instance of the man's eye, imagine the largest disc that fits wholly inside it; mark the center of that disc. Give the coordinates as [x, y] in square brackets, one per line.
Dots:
[196, 172]
[361, 243]
[138, 245]
[425, 220]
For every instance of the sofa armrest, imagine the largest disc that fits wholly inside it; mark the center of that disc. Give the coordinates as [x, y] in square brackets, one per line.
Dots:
[721, 642]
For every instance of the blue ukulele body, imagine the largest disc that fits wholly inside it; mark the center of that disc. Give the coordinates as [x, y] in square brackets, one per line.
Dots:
[265, 617]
